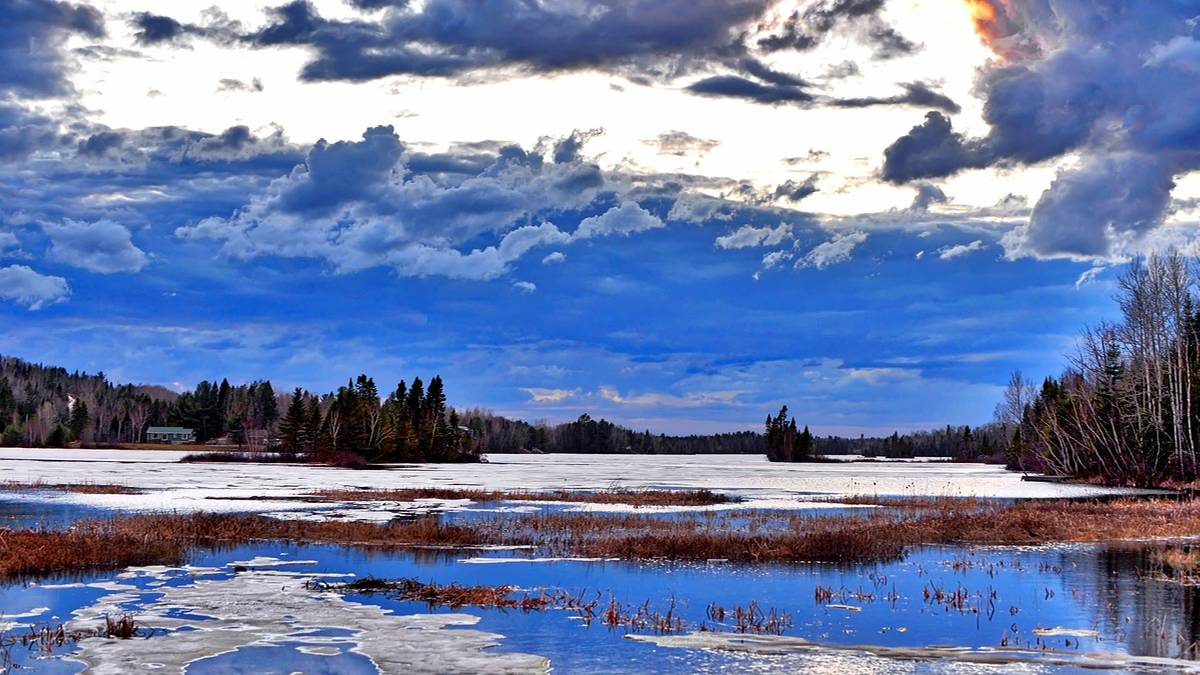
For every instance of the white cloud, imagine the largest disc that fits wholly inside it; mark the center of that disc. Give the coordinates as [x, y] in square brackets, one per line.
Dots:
[10, 246]
[27, 287]
[747, 236]
[920, 254]
[836, 250]
[525, 286]
[689, 400]
[775, 258]
[1089, 276]
[626, 219]
[959, 250]
[542, 395]
[102, 246]
[555, 257]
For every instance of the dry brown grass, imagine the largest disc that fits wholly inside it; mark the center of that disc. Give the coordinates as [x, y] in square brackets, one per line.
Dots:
[759, 537]
[29, 553]
[452, 595]
[81, 488]
[630, 497]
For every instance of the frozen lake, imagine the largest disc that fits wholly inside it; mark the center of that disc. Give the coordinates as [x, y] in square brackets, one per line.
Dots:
[229, 487]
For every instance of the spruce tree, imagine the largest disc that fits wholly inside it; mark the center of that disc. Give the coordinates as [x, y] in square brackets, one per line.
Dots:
[79, 420]
[292, 427]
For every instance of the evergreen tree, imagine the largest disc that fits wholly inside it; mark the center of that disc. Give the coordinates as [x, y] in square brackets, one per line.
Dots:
[268, 408]
[79, 420]
[292, 429]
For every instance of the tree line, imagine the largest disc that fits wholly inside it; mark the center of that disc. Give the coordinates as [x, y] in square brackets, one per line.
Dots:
[785, 442]
[1127, 407]
[587, 435]
[47, 406]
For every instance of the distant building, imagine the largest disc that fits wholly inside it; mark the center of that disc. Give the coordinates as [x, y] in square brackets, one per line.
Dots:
[170, 435]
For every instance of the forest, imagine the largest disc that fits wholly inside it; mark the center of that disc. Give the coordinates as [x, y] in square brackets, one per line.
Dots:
[49, 406]
[1126, 409]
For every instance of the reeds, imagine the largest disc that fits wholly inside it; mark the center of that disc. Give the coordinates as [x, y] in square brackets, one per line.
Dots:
[79, 488]
[452, 595]
[756, 537]
[635, 498]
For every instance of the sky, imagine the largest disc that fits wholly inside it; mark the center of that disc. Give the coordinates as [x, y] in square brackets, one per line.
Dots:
[674, 214]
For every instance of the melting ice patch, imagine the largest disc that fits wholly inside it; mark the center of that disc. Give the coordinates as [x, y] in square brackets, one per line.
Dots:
[265, 612]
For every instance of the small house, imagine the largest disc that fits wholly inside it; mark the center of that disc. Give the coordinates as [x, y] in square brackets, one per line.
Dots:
[170, 435]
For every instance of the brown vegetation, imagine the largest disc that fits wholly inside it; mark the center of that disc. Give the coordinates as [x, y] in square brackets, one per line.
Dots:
[631, 497]
[80, 488]
[453, 595]
[741, 537]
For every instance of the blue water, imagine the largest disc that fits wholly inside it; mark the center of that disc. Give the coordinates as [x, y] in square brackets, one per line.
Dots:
[1009, 593]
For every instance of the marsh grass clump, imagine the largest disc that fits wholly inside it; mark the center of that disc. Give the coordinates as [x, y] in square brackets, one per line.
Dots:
[121, 628]
[78, 488]
[452, 595]
[636, 498]
[47, 639]
[35, 553]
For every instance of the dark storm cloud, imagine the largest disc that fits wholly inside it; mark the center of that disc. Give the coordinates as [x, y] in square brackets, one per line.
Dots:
[157, 29]
[23, 131]
[733, 86]
[796, 191]
[929, 149]
[915, 94]
[567, 149]
[453, 37]
[32, 36]
[1113, 81]
[804, 30]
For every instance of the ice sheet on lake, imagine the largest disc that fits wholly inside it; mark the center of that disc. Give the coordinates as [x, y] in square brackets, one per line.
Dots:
[270, 607]
[272, 488]
[857, 658]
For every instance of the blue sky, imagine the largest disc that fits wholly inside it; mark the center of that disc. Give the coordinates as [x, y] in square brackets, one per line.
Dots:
[679, 220]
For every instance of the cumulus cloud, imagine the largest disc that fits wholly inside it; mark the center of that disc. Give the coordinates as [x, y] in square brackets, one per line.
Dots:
[748, 236]
[525, 286]
[357, 204]
[554, 258]
[10, 246]
[102, 246]
[626, 219]
[775, 258]
[1114, 86]
[22, 285]
[959, 250]
[838, 249]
